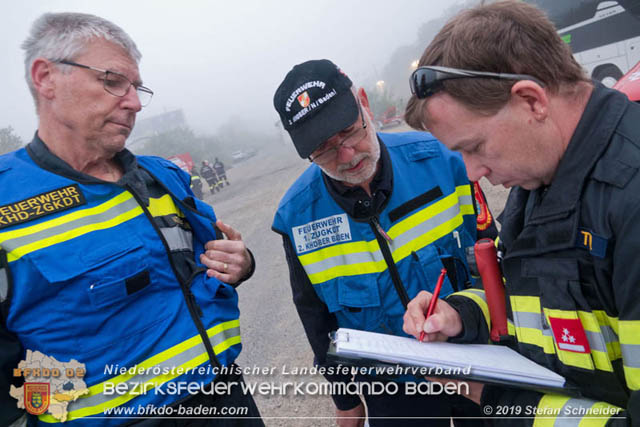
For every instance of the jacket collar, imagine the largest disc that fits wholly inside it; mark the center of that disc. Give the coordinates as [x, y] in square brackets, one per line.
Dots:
[590, 139]
[354, 200]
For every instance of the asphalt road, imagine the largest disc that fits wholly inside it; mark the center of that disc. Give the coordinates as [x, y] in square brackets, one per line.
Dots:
[272, 335]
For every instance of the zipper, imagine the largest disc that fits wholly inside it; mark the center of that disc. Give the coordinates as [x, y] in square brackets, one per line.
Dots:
[380, 230]
[194, 309]
[383, 242]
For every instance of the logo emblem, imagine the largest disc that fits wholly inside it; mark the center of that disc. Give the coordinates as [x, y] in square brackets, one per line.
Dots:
[569, 335]
[36, 398]
[303, 99]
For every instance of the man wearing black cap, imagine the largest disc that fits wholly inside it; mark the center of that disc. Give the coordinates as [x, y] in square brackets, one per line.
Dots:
[367, 226]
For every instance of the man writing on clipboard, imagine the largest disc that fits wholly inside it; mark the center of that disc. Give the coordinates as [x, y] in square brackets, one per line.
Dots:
[519, 108]
[367, 226]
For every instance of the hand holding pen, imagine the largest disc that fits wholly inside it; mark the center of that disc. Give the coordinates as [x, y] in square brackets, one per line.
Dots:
[434, 300]
[428, 319]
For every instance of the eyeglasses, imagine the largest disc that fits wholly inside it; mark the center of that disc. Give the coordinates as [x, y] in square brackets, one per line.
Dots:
[426, 81]
[117, 84]
[326, 155]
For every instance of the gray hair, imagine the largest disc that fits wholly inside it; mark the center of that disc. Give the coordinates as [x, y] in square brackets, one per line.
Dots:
[60, 36]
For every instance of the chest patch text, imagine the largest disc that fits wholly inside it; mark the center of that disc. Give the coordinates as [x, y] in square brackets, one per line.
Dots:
[321, 233]
[43, 204]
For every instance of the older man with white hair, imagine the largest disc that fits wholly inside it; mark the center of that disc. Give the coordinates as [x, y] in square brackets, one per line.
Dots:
[367, 226]
[106, 259]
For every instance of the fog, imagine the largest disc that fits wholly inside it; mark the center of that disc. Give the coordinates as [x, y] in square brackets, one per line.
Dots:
[217, 60]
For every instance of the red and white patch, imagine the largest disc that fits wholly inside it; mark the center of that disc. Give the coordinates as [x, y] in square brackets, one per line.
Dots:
[303, 99]
[569, 335]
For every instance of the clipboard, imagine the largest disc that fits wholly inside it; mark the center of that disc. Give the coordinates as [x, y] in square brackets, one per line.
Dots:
[380, 353]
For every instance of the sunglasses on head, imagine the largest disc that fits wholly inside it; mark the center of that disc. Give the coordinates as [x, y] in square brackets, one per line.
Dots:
[426, 81]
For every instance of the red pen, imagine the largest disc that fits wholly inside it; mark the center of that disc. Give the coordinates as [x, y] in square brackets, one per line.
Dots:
[434, 299]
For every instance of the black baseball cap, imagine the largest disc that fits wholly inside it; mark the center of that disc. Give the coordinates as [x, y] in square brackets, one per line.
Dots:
[315, 102]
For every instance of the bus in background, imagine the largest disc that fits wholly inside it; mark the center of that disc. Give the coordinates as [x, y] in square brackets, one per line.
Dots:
[604, 35]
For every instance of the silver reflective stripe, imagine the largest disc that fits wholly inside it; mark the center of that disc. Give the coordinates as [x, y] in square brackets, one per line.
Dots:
[534, 321]
[425, 227]
[111, 213]
[523, 319]
[398, 241]
[178, 238]
[609, 335]
[573, 412]
[173, 362]
[596, 341]
[4, 283]
[477, 292]
[465, 200]
[630, 355]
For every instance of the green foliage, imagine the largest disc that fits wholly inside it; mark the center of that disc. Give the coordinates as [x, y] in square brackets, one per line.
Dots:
[9, 141]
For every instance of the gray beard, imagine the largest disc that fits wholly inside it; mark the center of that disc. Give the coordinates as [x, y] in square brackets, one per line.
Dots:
[374, 155]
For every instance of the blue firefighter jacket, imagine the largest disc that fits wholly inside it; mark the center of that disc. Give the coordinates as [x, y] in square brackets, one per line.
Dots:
[429, 217]
[91, 279]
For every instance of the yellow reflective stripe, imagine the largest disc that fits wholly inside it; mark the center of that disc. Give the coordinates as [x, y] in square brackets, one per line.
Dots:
[396, 230]
[163, 206]
[168, 353]
[337, 250]
[223, 346]
[374, 266]
[561, 314]
[120, 399]
[549, 404]
[570, 358]
[480, 302]
[463, 190]
[632, 377]
[150, 363]
[72, 216]
[430, 211]
[613, 348]
[629, 333]
[511, 328]
[380, 266]
[527, 304]
[557, 410]
[422, 215]
[600, 358]
[597, 420]
[71, 234]
[427, 238]
[348, 270]
[465, 209]
[533, 336]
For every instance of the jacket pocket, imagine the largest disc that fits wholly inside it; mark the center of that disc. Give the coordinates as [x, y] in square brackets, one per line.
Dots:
[356, 303]
[426, 266]
[112, 289]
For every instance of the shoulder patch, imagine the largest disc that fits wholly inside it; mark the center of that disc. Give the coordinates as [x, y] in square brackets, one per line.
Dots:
[483, 214]
[57, 200]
